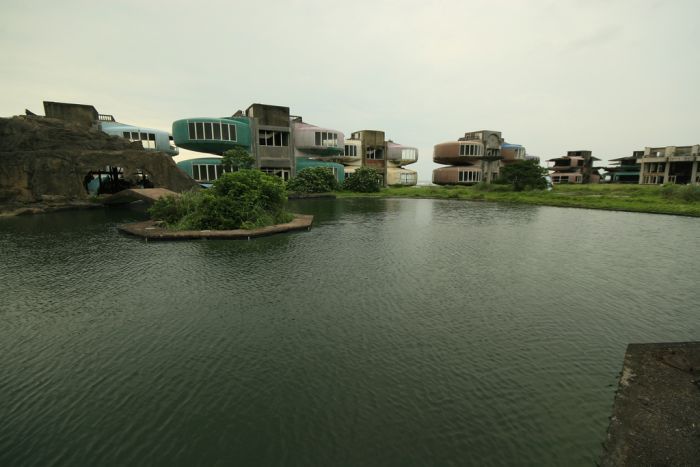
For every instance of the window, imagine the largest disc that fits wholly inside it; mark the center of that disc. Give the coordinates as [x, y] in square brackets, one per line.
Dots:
[374, 153]
[273, 138]
[408, 178]
[351, 150]
[326, 138]
[207, 172]
[469, 176]
[214, 131]
[409, 154]
[469, 150]
[284, 174]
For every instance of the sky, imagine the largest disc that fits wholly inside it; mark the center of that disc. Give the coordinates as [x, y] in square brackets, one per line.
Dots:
[610, 76]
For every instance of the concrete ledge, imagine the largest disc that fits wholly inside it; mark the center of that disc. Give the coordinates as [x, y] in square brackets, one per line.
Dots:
[656, 415]
[152, 230]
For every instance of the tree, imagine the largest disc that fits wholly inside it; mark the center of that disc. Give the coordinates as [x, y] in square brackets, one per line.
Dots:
[313, 180]
[237, 159]
[363, 180]
[523, 175]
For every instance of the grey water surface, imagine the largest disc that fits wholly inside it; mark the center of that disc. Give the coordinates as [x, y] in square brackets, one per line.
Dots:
[395, 332]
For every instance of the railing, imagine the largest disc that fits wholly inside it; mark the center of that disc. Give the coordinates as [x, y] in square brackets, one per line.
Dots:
[105, 118]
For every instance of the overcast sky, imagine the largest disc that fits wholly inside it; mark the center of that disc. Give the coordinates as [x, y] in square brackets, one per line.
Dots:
[611, 76]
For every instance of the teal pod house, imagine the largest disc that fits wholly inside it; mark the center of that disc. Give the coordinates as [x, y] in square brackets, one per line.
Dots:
[213, 135]
[338, 169]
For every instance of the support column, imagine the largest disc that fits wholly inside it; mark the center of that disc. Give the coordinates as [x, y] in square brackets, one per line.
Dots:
[642, 170]
[694, 173]
[667, 170]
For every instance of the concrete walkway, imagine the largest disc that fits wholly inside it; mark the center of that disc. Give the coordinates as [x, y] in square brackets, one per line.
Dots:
[656, 416]
[149, 195]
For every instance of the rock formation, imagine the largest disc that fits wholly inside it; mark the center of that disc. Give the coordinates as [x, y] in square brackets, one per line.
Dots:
[46, 160]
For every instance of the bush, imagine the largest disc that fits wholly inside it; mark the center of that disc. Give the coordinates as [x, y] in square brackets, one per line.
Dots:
[523, 175]
[493, 187]
[313, 180]
[237, 159]
[245, 199]
[363, 180]
[682, 192]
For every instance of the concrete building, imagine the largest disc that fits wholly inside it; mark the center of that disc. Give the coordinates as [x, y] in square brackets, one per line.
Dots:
[315, 146]
[575, 167]
[87, 116]
[624, 169]
[670, 164]
[474, 158]
[370, 148]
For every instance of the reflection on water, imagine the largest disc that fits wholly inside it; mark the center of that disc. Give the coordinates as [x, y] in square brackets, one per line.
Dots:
[395, 332]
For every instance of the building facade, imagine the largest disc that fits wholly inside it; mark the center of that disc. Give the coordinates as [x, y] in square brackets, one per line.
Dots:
[624, 169]
[283, 145]
[670, 164]
[477, 157]
[575, 167]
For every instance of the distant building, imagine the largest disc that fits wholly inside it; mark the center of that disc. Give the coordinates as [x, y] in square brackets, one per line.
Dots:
[87, 116]
[575, 167]
[283, 145]
[625, 169]
[670, 164]
[476, 157]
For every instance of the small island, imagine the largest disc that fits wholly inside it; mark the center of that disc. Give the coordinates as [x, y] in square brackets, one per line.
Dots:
[243, 204]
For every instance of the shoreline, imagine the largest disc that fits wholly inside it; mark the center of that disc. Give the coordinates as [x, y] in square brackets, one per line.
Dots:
[620, 198]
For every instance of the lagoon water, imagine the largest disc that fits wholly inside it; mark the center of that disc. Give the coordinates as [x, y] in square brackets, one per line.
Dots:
[396, 332]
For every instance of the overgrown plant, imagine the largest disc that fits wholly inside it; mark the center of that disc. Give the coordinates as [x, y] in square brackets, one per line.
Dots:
[523, 175]
[237, 159]
[244, 199]
[363, 180]
[313, 180]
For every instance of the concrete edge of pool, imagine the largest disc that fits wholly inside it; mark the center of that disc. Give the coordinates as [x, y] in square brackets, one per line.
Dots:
[656, 414]
[152, 230]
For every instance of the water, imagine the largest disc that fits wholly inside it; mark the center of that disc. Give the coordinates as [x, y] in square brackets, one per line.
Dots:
[396, 332]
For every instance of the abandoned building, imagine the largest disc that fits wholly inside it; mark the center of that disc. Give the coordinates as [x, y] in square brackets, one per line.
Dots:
[477, 157]
[624, 169]
[575, 167]
[670, 164]
[283, 145]
[88, 117]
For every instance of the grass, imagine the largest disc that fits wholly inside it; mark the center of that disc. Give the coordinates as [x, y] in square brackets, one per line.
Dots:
[613, 197]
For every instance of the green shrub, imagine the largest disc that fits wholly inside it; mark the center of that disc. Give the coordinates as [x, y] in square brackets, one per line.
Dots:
[363, 180]
[682, 192]
[313, 180]
[245, 199]
[237, 159]
[522, 175]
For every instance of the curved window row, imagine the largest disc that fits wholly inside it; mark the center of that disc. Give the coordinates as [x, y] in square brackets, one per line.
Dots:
[409, 154]
[148, 140]
[351, 150]
[325, 138]
[210, 130]
[207, 172]
[469, 176]
[469, 150]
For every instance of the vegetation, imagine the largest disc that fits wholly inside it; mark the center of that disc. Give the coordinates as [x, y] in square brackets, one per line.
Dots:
[313, 180]
[523, 175]
[237, 159]
[245, 199]
[681, 192]
[363, 180]
[616, 197]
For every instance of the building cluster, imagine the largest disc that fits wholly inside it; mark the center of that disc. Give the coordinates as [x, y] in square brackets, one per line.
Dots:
[284, 144]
